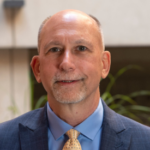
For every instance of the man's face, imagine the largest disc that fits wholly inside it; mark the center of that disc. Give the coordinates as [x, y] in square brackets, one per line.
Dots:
[71, 59]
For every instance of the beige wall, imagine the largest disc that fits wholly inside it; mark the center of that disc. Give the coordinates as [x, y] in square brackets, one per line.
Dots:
[124, 22]
[5, 28]
[14, 83]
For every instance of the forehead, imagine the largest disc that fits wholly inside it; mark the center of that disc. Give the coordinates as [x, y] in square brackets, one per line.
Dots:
[69, 25]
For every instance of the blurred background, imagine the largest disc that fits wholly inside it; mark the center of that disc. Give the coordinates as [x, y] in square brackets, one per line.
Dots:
[126, 30]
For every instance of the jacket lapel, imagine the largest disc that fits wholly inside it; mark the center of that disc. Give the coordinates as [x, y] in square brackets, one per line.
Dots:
[115, 136]
[33, 133]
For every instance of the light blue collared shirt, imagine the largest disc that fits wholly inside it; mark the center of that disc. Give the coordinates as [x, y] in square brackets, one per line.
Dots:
[90, 130]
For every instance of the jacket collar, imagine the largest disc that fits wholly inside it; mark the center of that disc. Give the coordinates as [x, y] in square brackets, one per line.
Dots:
[33, 131]
[115, 135]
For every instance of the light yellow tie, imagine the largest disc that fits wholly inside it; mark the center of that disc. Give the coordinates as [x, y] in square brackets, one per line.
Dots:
[72, 143]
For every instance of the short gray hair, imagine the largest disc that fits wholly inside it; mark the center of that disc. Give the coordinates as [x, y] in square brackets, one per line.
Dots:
[39, 32]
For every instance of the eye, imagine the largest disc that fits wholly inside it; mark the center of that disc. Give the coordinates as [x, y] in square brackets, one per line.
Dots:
[54, 49]
[81, 48]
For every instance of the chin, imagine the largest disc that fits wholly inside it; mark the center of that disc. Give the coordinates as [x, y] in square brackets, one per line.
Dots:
[69, 98]
[69, 95]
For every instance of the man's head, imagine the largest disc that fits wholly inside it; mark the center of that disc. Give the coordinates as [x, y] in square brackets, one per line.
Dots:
[71, 60]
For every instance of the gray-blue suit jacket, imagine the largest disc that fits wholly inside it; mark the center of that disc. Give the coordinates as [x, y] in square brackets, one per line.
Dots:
[29, 132]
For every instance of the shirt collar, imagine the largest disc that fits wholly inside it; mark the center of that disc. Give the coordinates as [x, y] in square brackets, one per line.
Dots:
[58, 127]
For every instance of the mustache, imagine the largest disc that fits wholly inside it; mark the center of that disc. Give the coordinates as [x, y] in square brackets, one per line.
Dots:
[66, 76]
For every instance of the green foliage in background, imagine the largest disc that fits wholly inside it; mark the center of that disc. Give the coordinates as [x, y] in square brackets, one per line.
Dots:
[122, 104]
[42, 100]
[32, 83]
[125, 104]
[13, 108]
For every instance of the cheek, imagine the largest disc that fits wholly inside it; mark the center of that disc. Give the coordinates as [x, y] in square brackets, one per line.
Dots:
[47, 71]
[92, 68]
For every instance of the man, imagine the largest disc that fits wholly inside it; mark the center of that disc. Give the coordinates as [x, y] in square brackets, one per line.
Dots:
[70, 65]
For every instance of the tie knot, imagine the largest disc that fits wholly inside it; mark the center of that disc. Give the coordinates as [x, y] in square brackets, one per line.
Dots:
[73, 134]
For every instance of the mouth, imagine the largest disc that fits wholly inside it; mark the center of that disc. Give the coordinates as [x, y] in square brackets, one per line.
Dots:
[67, 82]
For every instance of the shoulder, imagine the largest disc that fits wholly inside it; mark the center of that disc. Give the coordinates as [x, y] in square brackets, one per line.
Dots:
[9, 130]
[136, 126]
[23, 119]
[127, 130]
[119, 122]
[139, 133]
[137, 129]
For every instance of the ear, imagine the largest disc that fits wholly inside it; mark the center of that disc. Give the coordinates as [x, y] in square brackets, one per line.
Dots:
[35, 65]
[106, 60]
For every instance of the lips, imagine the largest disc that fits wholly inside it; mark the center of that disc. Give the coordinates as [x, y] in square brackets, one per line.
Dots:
[67, 81]
[63, 82]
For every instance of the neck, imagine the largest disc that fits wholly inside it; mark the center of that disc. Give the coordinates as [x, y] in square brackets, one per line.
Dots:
[76, 113]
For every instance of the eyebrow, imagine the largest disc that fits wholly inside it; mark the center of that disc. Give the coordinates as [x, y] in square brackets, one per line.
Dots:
[76, 42]
[51, 43]
[83, 42]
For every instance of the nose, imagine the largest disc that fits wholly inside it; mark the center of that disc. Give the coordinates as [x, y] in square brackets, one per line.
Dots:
[67, 62]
